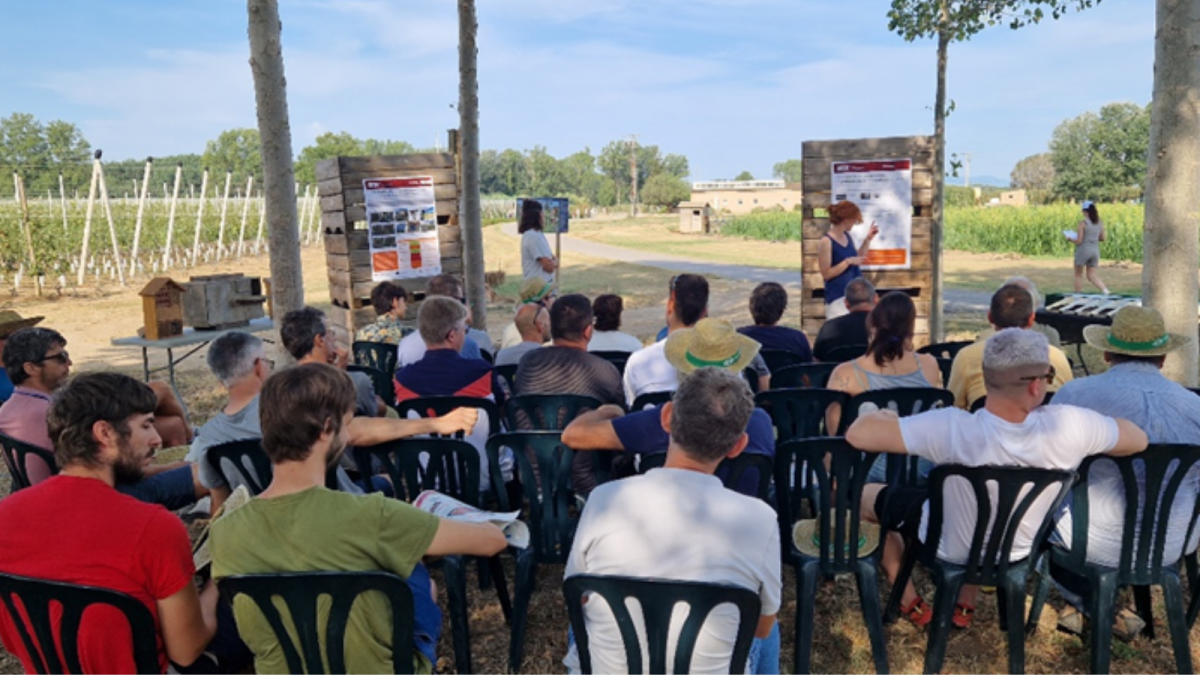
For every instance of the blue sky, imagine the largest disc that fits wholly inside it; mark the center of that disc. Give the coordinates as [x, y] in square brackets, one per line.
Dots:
[732, 84]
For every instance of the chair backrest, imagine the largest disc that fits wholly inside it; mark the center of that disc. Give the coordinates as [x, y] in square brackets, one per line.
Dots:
[301, 593]
[447, 465]
[829, 473]
[16, 454]
[904, 401]
[548, 491]
[1004, 496]
[658, 598]
[844, 353]
[43, 632]
[799, 413]
[750, 375]
[508, 376]
[945, 350]
[945, 365]
[1151, 482]
[780, 358]
[546, 412]
[248, 459]
[436, 406]
[979, 403]
[618, 359]
[749, 469]
[803, 375]
[377, 355]
[651, 399]
[381, 381]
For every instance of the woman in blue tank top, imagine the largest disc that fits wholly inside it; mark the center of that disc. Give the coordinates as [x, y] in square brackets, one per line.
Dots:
[838, 258]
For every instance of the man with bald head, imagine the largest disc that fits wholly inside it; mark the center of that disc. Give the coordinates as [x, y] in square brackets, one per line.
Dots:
[533, 323]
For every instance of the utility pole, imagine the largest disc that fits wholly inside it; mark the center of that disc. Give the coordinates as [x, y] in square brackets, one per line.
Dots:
[966, 169]
[633, 175]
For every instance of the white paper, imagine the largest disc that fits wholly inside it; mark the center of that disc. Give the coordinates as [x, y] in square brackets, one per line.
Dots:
[1071, 234]
[402, 227]
[444, 506]
[882, 189]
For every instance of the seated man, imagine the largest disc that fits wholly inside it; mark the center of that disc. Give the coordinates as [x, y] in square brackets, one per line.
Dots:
[306, 412]
[305, 335]
[1050, 332]
[1135, 347]
[75, 528]
[239, 363]
[1012, 307]
[38, 364]
[662, 525]
[534, 291]
[608, 336]
[768, 302]
[642, 432]
[412, 347]
[533, 325]
[11, 322]
[390, 301]
[1014, 429]
[848, 329]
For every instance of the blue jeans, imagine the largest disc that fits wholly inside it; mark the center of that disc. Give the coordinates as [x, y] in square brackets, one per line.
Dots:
[173, 489]
[428, 616]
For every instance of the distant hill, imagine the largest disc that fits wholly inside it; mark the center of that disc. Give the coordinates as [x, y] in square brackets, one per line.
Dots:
[980, 180]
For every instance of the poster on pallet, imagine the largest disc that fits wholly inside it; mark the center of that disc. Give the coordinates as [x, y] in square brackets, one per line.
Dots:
[882, 189]
[402, 222]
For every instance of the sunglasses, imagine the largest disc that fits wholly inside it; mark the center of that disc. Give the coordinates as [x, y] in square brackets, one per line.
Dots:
[62, 357]
[1048, 377]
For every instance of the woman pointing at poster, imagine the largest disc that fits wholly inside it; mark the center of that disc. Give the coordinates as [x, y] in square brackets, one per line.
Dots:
[838, 258]
[537, 260]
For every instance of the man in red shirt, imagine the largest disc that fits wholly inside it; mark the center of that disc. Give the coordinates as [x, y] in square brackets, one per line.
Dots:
[75, 528]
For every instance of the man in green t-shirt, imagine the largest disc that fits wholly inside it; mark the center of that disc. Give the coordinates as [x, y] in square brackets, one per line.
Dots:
[297, 525]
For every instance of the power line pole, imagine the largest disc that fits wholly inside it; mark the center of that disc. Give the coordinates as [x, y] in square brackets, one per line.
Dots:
[966, 169]
[633, 175]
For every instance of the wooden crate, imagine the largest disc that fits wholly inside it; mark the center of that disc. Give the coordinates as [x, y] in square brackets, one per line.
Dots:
[817, 182]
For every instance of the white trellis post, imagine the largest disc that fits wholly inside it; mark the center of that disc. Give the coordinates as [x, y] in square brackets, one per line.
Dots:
[62, 197]
[312, 216]
[171, 218]
[87, 220]
[112, 227]
[262, 216]
[224, 211]
[137, 229]
[245, 213]
[199, 217]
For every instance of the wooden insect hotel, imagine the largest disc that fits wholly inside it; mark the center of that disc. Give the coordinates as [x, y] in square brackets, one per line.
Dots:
[162, 308]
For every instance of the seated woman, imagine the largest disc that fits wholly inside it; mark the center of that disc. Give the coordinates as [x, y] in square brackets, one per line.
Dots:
[607, 335]
[768, 302]
[390, 300]
[890, 361]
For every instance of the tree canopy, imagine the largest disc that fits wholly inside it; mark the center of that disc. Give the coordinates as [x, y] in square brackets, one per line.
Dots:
[1102, 156]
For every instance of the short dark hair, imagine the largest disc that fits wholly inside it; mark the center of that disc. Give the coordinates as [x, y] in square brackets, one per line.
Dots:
[607, 309]
[1114, 358]
[299, 404]
[531, 216]
[570, 316]
[233, 356]
[691, 297]
[445, 284]
[28, 345]
[1011, 307]
[859, 291]
[299, 330]
[768, 301]
[384, 294]
[710, 411]
[90, 398]
[891, 323]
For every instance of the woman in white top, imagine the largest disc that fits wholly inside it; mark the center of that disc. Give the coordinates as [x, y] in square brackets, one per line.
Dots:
[607, 336]
[537, 260]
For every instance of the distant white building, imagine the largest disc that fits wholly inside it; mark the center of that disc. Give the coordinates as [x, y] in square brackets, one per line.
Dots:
[743, 196]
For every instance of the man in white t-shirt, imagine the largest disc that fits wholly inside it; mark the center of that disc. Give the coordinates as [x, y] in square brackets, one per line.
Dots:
[648, 370]
[679, 522]
[1014, 429]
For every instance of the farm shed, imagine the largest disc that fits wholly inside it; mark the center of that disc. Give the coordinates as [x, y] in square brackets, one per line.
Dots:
[693, 217]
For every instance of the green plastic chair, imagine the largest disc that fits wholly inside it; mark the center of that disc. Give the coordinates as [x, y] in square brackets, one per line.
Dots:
[617, 358]
[1015, 490]
[1151, 480]
[45, 632]
[844, 353]
[747, 468]
[945, 365]
[802, 376]
[945, 350]
[301, 593]
[658, 598]
[798, 413]
[436, 406]
[448, 465]
[904, 401]
[381, 381]
[247, 458]
[777, 359]
[377, 355]
[546, 412]
[551, 520]
[16, 453]
[508, 376]
[652, 399]
[801, 464]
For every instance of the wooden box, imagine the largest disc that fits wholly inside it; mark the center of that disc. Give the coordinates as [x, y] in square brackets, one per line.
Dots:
[222, 301]
[162, 308]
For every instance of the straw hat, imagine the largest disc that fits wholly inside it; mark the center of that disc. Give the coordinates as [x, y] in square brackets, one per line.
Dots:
[534, 289]
[806, 535]
[710, 343]
[11, 322]
[1135, 331]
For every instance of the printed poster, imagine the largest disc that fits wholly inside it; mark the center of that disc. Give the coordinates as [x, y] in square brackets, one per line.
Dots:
[556, 212]
[402, 218]
[882, 189]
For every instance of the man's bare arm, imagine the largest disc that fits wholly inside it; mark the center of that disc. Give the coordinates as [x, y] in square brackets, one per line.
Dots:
[375, 430]
[593, 430]
[765, 624]
[188, 621]
[458, 538]
[1130, 439]
[877, 432]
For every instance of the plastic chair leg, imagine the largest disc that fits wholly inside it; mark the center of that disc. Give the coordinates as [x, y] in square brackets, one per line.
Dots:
[455, 570]
[1141, 599]
[501, 583]
[948, 583]
[526, 568]
[1177, 622]
[1101, 605]
[806, 597]
[485, 579]
[1193, 575]
[906, 568]
[1014, 603]
[1040, 591]
[868, 597]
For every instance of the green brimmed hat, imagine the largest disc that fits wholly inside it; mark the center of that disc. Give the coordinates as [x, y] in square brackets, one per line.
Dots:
[1135, 331]
[806, 535]
[534, 289]
[711, 343]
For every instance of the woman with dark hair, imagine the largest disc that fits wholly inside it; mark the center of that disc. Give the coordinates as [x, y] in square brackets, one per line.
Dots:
[837, 256]
[607, 335]
[1088, 235]
[537, 260]
[890, 361]
[390, 301]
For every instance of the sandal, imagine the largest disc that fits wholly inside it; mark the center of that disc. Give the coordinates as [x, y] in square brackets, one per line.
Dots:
[963, 616]
[917, 612]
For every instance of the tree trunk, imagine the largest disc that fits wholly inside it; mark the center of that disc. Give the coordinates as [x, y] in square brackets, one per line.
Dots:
[936, 327]
[469, 216]
[1172, 229]
[279, 182]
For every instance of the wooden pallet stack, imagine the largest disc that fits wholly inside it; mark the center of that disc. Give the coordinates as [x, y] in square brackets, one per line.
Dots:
[818, 157]
[343, 221]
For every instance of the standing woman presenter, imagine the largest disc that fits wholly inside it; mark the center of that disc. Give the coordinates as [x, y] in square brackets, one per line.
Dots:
[838, 258]
[537, 260]
[1088, 235]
